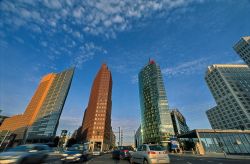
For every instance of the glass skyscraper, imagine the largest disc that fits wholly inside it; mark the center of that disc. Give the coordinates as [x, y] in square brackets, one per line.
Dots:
[46, 122]
[156, 123]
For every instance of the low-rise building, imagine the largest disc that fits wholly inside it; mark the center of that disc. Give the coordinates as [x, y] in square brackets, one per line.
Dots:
[219, 141]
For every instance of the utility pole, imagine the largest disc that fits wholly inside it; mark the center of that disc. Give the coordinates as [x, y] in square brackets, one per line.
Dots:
[119, 137]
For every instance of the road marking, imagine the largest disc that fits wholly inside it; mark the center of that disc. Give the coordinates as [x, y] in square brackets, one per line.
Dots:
[210, 161]
[189, 163]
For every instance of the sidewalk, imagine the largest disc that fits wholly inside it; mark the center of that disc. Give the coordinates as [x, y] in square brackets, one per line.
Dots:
[213, 155]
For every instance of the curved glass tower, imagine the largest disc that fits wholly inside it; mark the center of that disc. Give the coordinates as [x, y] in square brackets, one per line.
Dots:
[156, 123]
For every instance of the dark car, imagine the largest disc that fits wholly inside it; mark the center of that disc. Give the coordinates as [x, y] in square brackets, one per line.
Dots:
[122, 152]
[75, 153]
[25, 154]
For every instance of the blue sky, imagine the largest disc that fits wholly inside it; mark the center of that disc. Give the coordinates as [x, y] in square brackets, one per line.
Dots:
[182, 36]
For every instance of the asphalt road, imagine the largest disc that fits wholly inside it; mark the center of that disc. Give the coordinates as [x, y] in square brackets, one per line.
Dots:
[106, 159]
[205, 160]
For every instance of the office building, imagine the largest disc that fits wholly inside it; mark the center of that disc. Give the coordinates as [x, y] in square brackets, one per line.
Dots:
[113, 139]
[219, 141]
[156, 123]
[44, 109]
[45, 125]
[96, 126]
[179, 122]
[230, 87]
[138, 137]
[242, 47]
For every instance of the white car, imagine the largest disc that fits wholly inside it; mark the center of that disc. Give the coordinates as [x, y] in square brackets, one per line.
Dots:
[149, 154]
[96, 153]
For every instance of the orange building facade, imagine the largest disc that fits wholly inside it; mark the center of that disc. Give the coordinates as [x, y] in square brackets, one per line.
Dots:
[20, 124]
[96, 126]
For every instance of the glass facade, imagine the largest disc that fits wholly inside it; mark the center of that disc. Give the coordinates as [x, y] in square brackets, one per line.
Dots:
[219, 141]
[243, 49]
[230, 86]
[231, 143]
[179, 122]
[156, 123]
[47, 120]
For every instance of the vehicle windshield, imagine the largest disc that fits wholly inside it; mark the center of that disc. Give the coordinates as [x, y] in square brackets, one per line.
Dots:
[125, 148]
[21, 148]
[156, 147]
[75, 148]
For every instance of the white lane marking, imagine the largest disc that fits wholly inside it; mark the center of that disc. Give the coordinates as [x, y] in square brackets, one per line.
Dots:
[189, 163]
[210, 161]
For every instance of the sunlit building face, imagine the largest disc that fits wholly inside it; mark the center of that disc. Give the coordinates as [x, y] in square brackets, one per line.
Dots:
[96, 126]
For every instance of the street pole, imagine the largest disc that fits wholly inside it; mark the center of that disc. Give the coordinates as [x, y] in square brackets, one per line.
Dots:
[119, 137]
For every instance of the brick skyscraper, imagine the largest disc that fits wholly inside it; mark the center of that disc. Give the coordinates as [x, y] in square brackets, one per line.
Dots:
[96, 126]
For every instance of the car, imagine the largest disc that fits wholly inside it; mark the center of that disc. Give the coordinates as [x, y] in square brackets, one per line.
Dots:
[149, 153]
[75, 153]
[122, 152]
[96, 153]
[25, 154]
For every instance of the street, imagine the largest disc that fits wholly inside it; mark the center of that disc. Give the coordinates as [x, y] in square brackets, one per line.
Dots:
[106, 159]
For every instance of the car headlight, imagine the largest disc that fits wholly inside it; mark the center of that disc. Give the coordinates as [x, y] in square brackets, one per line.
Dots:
[78, 155]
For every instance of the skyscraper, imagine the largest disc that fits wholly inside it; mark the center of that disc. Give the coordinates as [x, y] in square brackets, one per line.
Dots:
[43, 112]
[96, 126]
[156, 123]
[230, 86]
[242, 47]
[179, 122]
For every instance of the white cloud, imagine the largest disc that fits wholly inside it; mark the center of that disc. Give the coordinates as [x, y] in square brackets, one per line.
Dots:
[53, 4]
[96, 17]
[78, 12]
[20, 40]
[118, 19]
[87, 52]
[186, 67]
[76, 19]
[134, 79]
[44, 44]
